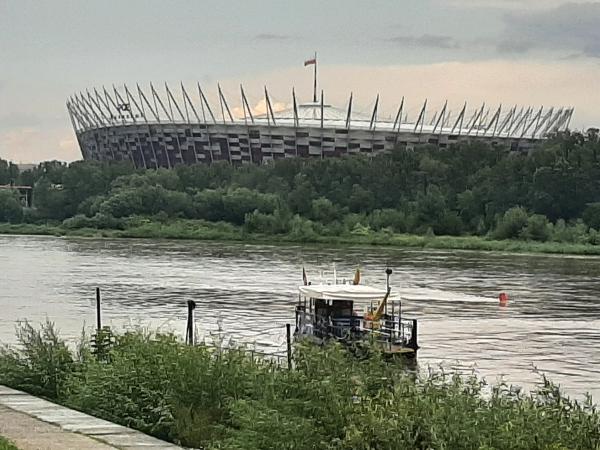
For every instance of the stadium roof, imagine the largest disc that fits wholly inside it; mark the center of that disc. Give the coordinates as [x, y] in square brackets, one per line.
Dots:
[312, 111]
[125, 107]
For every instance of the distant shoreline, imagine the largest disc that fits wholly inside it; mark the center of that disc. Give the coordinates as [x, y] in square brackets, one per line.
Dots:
[208, 231]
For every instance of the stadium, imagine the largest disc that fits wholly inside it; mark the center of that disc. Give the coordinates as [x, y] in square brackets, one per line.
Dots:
[173, 127]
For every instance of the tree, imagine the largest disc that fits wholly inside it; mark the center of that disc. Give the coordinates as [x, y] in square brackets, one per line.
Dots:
[537, 229]
[324, 211]
[10, 207]
[591, 215]
[301, 197]
[9, 172]
[50, 200]
[430, 206]
[511, 224]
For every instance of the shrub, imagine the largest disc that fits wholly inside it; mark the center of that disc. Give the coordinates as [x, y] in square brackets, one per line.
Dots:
[214, 397]
[448, 224]
[324, 211]
[40, 364]
[241, 201]
[388, 218]
[511, 224]
[257, 222]
[591, 215]
[575, 233]
[302, 229]
[361, 230]
[78, 221]
[6, 445]
[10, 207]
[537, 229]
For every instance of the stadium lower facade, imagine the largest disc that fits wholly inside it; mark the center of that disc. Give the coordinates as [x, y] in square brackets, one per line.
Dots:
[164, 130]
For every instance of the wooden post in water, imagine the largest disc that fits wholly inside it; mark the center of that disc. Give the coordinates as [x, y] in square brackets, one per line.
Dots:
[98, 312]
[288, 332]
[189, 333]
[414, 343]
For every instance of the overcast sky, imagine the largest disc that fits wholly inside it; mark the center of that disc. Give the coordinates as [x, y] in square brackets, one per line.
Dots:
[539, 52]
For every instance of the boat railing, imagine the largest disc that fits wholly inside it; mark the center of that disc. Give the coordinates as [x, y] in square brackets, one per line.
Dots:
[392, 329]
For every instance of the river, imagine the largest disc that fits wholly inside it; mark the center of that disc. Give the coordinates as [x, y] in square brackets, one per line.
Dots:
[551, 325]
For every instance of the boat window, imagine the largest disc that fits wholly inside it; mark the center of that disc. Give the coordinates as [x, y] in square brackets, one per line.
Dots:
[321, 307]
[341, 308]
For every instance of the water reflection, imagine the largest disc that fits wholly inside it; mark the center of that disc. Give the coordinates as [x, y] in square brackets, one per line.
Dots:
[552, 322]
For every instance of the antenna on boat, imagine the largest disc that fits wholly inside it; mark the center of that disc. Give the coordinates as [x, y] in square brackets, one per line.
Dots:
[388, 273]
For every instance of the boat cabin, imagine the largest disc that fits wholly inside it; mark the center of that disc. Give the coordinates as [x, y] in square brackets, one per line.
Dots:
[333, 311]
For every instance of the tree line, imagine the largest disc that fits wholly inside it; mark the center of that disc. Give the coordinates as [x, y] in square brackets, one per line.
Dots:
[551, 193]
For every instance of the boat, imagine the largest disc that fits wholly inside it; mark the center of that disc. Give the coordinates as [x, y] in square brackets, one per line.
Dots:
[329, 311]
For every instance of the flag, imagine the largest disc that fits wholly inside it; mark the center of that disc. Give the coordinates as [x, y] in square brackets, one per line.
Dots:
[304, 279]
[309, 62]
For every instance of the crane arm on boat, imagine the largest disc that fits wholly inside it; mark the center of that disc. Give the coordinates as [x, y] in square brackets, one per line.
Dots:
[374, 316]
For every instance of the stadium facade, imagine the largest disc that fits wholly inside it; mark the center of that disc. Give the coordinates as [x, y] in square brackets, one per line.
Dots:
[169, 128]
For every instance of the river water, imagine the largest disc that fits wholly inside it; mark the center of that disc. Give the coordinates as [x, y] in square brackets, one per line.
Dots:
[551, 325]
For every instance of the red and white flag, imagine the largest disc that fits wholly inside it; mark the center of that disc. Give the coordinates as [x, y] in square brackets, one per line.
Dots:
[309, 62]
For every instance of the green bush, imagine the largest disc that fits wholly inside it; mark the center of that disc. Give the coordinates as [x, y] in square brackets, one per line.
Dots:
[466, 189]
[576, 233]
[10, 207]
[241, 201]
[218, 398]
[448, 224]
[323, 210]
[511, 224]
[6, 445]
[302, 230]
[78, 221]
[591, 215]
[258, 222]
[389, 218]
[40, 364]
[537, 229]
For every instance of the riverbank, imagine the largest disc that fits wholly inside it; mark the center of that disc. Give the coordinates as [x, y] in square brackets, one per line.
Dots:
[215, 397]
[203, 230]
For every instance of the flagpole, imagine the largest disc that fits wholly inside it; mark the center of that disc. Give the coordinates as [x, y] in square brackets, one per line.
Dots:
[315, 84]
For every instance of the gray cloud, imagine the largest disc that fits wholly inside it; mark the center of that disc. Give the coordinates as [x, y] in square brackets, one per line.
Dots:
[272, 37]
[18, 120]
[426, 41]
[571, 26]
[519, 5]
[514, 46]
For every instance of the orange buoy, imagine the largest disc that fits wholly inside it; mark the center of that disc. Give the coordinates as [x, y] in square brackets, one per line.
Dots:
[503, 298]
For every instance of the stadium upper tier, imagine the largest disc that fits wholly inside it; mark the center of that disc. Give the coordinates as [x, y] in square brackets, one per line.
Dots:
[166, 129]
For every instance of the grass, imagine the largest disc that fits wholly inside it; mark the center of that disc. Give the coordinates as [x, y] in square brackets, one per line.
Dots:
[202, 230]
[218, 398]
[6, 444]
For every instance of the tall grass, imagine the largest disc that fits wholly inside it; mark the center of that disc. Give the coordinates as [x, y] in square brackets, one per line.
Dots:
[6, 445]
[227, 399]
[203, 230]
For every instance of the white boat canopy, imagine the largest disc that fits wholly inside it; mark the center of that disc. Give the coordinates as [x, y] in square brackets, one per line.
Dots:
[345, 292]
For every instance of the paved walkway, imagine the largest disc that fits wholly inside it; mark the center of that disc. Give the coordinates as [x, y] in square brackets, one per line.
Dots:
[36, 424]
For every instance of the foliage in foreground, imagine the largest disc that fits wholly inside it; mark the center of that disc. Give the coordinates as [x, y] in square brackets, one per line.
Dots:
[6, 445]
[226, 399]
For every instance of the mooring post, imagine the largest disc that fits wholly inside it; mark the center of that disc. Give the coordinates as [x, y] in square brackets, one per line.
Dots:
[414, 343]
[288, 332]
[98, 312]
[189, 335]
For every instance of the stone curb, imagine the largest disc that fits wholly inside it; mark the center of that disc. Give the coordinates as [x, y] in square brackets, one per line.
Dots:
[71, 421]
